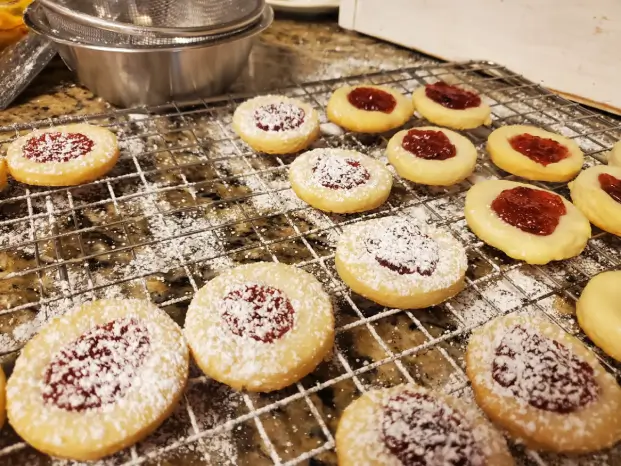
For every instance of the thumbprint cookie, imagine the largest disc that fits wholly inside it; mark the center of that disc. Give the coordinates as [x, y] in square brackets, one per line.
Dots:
[614, 156]
[596, 192]
[369, 108]
[432, 156]
[397, 262]
[276, 124]
[535, 154]
[451, 106]
[260, 327]
[543, 386]
[599, 312]
[97, 380]
[63, 155]
[2, 397]
[526, 222]
[410, 425]
[341, 181]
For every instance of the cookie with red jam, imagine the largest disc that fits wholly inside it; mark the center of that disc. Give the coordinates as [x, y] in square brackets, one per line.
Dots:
[98, 379]
[260, 327]
[543, 386]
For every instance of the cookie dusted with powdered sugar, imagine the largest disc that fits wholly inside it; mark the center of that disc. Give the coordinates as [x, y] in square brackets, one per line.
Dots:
[341, 181]
[276, 124]
[97, 380]
[543, 386]
[260, 327]
[62, 155]
[398, 262]
[409, 425]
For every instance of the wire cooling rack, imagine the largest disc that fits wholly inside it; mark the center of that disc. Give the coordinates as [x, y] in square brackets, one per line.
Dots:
[188, 199]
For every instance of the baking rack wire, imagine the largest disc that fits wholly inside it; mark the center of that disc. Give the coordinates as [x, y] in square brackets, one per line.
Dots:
[513, 99]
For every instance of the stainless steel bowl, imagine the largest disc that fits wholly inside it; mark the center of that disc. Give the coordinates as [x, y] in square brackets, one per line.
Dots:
[126, 76]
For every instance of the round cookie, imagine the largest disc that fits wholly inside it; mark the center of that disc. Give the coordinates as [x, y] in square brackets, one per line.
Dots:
[341, 181]
[368, 108]
[596, 192]
[599, 312]
[398, 263]
[543, 386]
[526, 222]
[409, 425]
[451, 106]
[63, 155]
[2, 397]
[276, 124]
[535, 154]
[432, 156]
[614, 156]
[260, 327]
[97, 380]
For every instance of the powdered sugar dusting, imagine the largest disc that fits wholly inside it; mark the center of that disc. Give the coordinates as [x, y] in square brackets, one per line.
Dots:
[279, 117]
[339, 173]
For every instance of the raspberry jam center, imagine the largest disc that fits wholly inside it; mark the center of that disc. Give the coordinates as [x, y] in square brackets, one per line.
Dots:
[421, 431]
[611, 186]
[98, 368]
[340, 173]
[57, 147]
[372, 100]
[544, 151]
[428, 144]
[543, 372]
[452, 97]
[404, 249]
[531, 210]
[260, 312]
[279, 117]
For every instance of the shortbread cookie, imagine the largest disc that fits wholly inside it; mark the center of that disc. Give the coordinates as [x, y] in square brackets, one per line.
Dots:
[341, 181]
[596, 192]
[543, 386]
[526, 222]
[2, 397]
[260, 327]
[614, 156]
[410, 425]
[400, 263]
[451, 106]
[97, 380]
[368, 108]
[63, 155]
[535, 154]
[432, 156]
[276, 124]
[599, 312]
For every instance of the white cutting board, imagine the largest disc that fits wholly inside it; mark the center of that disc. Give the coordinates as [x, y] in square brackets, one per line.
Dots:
[571, 46]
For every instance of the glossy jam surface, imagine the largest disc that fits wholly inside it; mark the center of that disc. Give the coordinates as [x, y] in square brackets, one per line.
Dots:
[97, 368]
[421, 430]
[429, 144]
[543, 372]
[610, 185]
[260, 312]
[340, 173]
[544, 151]
[57, 147]
[372, 100]
[531, 210]
[452, 97]
[279, 117]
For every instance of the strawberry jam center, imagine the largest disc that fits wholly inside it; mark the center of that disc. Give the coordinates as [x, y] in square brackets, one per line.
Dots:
[57, 147]
[372, 100]
[544, 151]
[428, 144]
[452, 97]
[611, 186]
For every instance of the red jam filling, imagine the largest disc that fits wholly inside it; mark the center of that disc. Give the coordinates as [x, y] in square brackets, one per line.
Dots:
[372, 100]
[98, 368]
[452, 97]
[531, 210]
[420, 431]
[340, 173]
[429, 145]
[57, 147]
[611, 186]
[544, 151]
[543, 372]
[260, 312]
[279, 117]
[404, 249]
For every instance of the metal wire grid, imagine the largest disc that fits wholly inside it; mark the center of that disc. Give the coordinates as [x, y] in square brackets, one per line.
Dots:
[184, 162]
